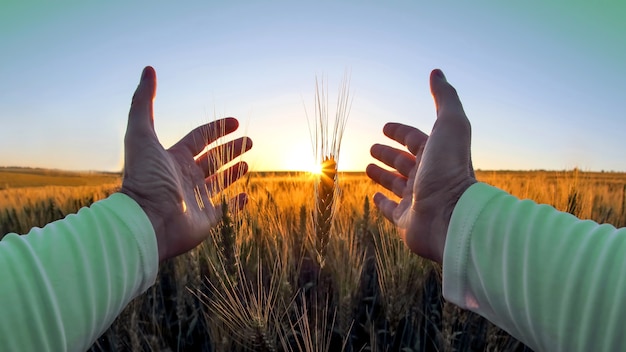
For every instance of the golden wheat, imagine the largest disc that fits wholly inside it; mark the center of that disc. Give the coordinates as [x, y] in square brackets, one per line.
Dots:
[372, 293]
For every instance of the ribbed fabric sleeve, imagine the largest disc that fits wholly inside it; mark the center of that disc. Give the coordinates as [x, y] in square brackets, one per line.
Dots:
[61, 286]
[553, 281]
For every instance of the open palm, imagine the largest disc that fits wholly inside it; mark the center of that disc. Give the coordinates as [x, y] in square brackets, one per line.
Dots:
[174, 186]
[429, 178]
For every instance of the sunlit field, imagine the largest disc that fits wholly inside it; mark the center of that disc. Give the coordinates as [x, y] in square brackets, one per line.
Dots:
[35, 197]
[263, 282]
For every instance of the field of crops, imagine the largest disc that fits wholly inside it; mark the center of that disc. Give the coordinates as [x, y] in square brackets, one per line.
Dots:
[35, 197]
[260, 282]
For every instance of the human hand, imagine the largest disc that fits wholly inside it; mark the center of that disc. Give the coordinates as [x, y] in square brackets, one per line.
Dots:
[431, 178]
[171, 186]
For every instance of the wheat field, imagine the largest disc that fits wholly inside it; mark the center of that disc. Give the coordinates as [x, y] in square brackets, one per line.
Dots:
[258, 284]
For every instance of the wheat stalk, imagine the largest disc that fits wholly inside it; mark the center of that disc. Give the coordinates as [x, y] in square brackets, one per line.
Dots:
[400, 275]
[312, 327]
[327, 145]
[346, 261]
[249, 309]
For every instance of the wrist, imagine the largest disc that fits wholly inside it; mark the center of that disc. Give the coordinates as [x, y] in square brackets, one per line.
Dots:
[456, 193]
[155, 220]
[433, 220]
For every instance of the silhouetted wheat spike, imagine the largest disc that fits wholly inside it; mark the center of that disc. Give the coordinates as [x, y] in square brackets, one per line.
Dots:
[325, 200]
[573, 202]
[327, 145]
[227, 236]
[365, 240]
[366, 214]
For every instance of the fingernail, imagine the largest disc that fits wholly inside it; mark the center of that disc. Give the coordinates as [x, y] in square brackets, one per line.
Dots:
[440, 74]
[144, 73]
[376, 198]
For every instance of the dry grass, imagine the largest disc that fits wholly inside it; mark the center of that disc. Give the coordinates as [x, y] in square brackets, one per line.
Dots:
[28, 206]
[13, 177]
[255, 285]
[371, 295]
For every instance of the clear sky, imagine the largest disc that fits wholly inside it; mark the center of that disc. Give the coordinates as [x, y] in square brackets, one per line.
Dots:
[543, 83]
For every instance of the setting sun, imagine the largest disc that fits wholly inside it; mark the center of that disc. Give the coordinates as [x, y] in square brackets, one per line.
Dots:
[316, 169]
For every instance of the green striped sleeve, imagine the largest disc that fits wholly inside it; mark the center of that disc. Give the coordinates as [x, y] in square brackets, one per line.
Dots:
[553, 281]
[61, 286]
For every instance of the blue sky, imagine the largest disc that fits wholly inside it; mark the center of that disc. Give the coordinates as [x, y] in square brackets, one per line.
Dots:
[544, 85]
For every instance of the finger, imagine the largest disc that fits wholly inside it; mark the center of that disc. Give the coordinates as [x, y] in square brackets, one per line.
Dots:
[237, 203]
[392, 181]
[221, 155]
[196, 140]
[141, 116]
[398, 159]
[409, 136]
[446, 98]
[385, 205]
[220, 181]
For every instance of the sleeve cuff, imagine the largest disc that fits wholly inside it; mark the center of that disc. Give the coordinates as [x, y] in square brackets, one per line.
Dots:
[456, 250]
[142, 231]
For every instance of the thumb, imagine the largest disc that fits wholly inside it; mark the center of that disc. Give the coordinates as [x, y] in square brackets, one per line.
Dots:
[452, 128]
[141, 117]
[446, 99]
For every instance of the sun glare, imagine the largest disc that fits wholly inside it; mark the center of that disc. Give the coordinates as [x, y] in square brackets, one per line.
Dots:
[316, 169]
